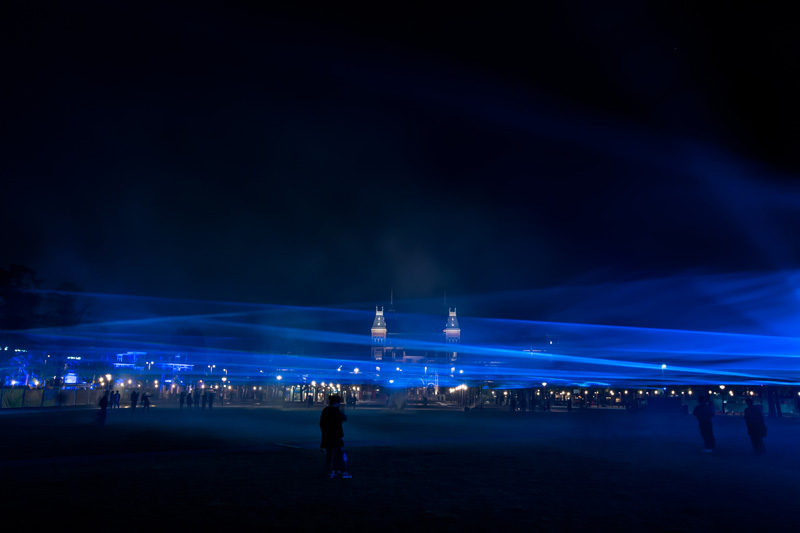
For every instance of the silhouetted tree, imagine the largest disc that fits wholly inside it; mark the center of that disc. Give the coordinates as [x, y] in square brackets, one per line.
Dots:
[20, 298]
[66, 306]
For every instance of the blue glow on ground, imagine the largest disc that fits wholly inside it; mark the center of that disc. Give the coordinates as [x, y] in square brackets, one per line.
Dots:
[753, 341]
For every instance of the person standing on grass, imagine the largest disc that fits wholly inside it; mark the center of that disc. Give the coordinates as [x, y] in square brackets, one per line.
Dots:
[704, 412]
[134, 399]
[756, 428]
[330, 423]
[103, 404]
[145, 402]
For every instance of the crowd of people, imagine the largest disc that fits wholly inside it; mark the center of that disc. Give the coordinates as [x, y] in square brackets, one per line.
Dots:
[332, 418]
[197, 399]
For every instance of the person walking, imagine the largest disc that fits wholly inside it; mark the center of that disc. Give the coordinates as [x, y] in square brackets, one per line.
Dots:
[330, 423]
[756, 428]
[704, 412]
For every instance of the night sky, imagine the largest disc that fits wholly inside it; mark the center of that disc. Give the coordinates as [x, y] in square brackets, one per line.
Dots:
[329, 154]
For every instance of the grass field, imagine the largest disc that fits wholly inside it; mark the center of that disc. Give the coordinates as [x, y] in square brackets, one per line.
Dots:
[425, 470]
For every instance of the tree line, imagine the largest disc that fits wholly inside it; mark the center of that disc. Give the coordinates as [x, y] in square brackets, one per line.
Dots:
[24, 304]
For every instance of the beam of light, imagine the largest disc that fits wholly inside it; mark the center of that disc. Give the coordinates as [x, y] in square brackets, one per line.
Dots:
[743, 333]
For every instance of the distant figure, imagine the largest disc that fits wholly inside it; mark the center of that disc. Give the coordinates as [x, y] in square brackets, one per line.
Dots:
[513, 403]
[117, 398]
[182, 398]
[569, 405]
[704, 412]
[310, 401]
[146, 402]
[204, 398]
[330, 423]
[134, 399]
[211, 399]
[101, 416]
[189, 401]
[197, 398]
[756, 428]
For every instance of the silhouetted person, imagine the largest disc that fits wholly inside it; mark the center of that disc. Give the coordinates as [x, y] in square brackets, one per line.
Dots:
[211, 399]
[197, 398]
[204, 398]
[117, 398]
[513, 403]
[103, 403]
[569, 405]
[182, 398]
[330, 423]
[134, 399]
[756, 428]
[146, 402]
[189, 401]
[310, 401]
[704, 412]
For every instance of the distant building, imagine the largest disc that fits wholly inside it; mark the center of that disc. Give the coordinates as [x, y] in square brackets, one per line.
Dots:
[399, 345]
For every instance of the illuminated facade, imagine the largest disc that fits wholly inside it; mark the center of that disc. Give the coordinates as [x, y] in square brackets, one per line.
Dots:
[401, 347]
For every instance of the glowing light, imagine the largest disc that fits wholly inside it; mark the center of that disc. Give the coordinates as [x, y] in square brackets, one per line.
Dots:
[279, 377]
[355, 370]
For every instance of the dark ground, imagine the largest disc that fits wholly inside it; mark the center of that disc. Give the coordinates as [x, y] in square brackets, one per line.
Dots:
[413, 470]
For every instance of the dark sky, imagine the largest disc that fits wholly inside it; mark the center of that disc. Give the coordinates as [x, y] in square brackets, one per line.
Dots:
[325, 154]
